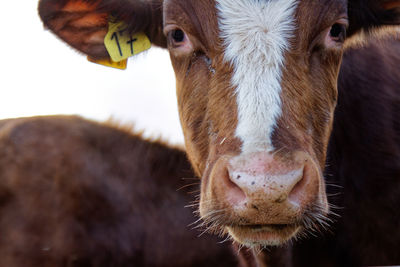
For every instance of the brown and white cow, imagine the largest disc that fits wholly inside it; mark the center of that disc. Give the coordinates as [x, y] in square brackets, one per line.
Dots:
[257, 90]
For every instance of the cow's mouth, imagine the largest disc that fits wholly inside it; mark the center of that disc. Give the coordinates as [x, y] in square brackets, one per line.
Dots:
[266, 227]
[263, 234]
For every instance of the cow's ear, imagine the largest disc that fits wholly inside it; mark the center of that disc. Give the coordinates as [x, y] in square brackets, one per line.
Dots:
[369, 14]
[83, 24]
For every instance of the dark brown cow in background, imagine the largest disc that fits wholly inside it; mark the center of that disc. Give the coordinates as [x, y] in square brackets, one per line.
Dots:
[257, 90]
[80, 193]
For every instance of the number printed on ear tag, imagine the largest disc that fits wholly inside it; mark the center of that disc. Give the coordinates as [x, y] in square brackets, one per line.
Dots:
[121, 45]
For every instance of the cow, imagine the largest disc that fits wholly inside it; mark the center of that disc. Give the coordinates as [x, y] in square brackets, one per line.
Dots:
[289, 113]
[79, 193]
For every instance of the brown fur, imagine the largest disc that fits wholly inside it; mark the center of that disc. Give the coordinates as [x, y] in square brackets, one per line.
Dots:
[79, 193]
[309, 94]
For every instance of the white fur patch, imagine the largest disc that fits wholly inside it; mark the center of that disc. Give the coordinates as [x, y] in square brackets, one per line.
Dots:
[256, 34]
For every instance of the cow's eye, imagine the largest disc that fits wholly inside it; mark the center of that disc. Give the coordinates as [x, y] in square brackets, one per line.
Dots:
[178, 41]
[177, 37]
[338, 32]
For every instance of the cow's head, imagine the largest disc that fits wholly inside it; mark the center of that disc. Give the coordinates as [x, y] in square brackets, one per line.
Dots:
[256, 87]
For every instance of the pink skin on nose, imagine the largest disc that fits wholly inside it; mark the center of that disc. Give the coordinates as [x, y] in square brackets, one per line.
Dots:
[266, 182]
[261, 163]
[259, 173]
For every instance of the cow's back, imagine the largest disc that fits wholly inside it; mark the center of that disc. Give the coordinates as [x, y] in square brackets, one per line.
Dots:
[78, 193]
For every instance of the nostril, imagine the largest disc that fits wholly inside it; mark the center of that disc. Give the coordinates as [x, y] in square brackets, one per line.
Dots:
[234, 193]
[299, 190]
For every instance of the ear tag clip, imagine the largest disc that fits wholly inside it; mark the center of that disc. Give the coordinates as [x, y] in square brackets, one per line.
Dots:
[121, 45]
[109, 63]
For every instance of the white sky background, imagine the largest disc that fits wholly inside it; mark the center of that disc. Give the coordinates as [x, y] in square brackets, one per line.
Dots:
[40, 75]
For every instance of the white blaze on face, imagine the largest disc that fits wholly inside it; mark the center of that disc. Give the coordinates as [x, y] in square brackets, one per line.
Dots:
[256, 35]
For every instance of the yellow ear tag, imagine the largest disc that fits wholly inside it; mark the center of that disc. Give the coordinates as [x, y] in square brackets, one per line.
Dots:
[109, 63]
[121, 45]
